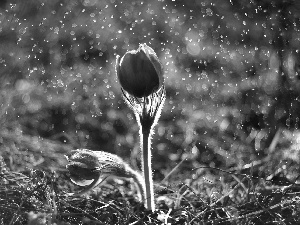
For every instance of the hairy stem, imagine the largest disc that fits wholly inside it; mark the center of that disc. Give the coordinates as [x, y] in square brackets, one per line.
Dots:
[147, 167]
[140, 184]
[138, 180]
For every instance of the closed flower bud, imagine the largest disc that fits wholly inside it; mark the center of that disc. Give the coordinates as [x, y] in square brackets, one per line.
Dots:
[83, 166]
[139, 71]
[90, 168]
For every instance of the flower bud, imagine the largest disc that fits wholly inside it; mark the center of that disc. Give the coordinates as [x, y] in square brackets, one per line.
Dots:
[86, 165]
[90, 168]
[140, 72]
[82, 167]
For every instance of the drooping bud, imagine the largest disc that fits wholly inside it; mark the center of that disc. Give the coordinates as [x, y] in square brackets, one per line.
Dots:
[140, 72]
[82, 167]
[90, 168]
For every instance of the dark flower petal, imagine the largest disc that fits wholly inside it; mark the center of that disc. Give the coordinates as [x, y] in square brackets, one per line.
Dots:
[140, 72]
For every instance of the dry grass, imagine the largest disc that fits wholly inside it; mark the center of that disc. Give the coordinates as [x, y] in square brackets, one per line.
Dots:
[36, 196]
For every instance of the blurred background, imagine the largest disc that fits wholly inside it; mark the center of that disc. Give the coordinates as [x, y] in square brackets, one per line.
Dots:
[231, 76]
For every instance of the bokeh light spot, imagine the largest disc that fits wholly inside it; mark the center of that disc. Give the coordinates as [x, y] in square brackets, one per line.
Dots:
[193, 48]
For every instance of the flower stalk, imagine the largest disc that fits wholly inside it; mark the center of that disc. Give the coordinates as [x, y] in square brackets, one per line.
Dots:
[145, 137]
[147, 112]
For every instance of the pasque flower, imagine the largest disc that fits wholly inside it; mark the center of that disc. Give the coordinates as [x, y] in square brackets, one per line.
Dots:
[139, 71]
[90, 168]
[141, 77]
